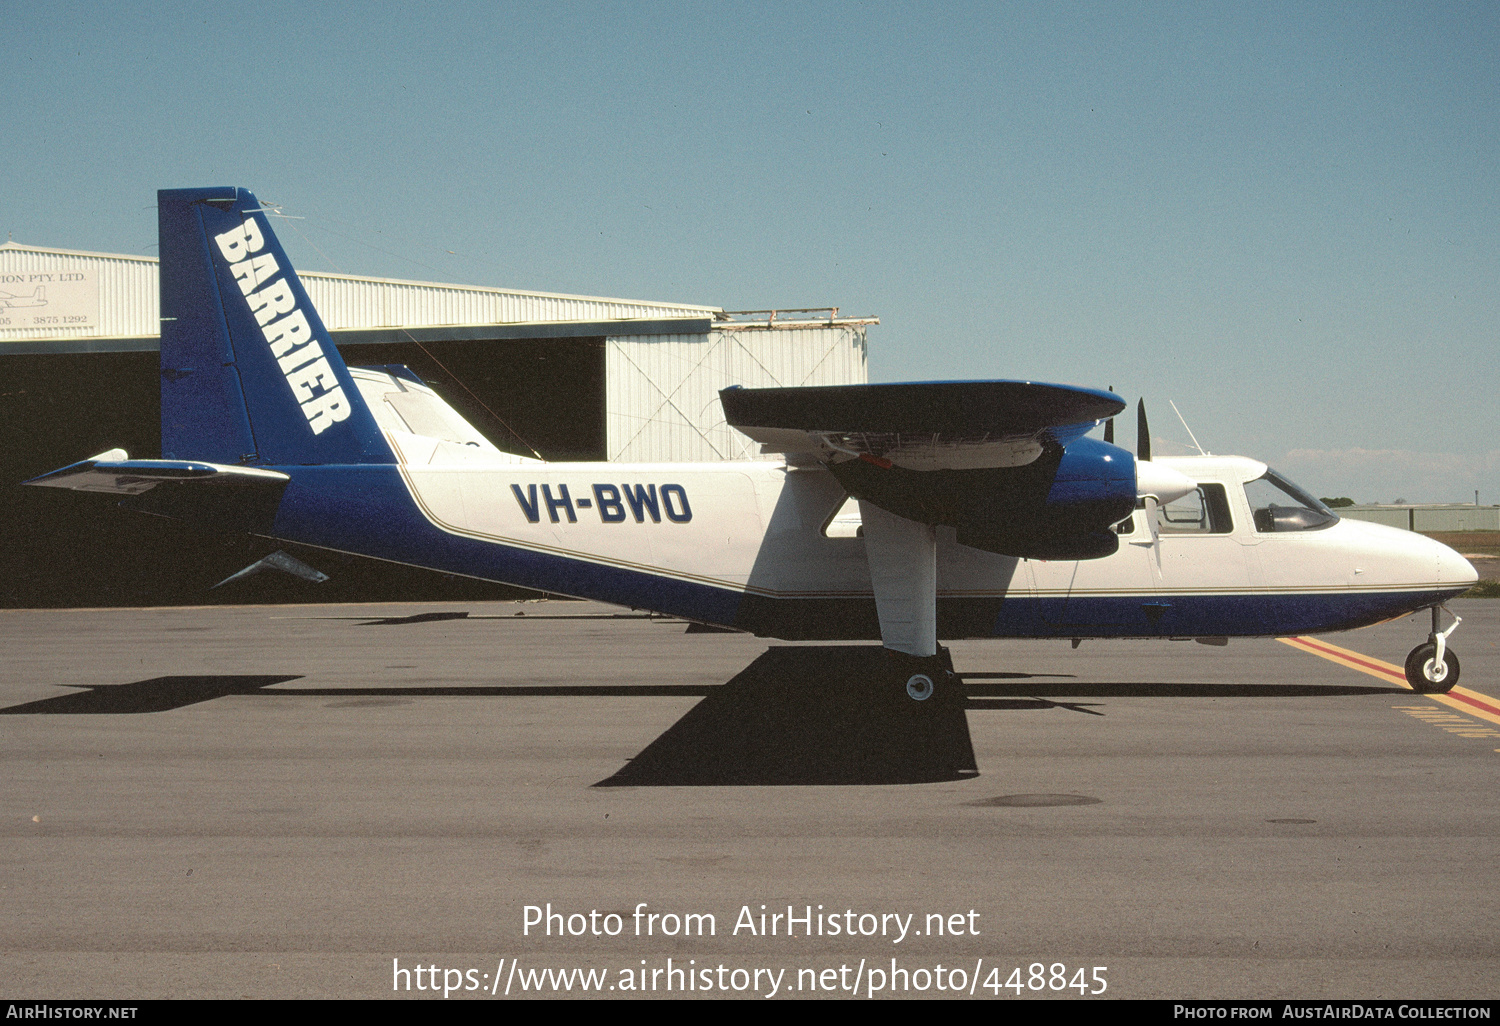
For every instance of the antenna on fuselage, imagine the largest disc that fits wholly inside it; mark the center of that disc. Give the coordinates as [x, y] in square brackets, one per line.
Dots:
[1189, 430]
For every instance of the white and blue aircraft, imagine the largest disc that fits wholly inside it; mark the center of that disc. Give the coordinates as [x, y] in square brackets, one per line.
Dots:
[906, 513]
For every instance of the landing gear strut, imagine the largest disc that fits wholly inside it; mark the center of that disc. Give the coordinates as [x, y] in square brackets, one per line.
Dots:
[1431, 668]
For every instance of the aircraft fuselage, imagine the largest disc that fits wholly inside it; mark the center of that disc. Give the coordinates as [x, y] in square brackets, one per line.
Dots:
[746, 545]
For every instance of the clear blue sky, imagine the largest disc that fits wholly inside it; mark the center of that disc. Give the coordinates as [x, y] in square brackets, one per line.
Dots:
[1284, 217]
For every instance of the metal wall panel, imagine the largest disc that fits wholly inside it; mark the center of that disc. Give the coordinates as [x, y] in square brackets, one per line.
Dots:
[128, 299]
[662, 392]
[1458, 518]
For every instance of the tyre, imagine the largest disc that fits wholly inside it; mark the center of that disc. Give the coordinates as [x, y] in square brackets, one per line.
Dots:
[1425, 675]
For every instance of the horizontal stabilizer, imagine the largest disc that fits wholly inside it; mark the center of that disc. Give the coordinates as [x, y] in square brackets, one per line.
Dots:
[114, 471]
[277, 560]
[929, 425]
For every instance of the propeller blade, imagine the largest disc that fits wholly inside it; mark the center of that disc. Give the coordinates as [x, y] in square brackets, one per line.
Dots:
[1109, 426]
[1142, 433]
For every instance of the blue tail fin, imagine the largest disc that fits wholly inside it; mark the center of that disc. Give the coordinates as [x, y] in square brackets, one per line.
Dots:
[249, 375]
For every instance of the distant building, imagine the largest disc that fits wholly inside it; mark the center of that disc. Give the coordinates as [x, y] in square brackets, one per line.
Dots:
[560, 376]
[573, 377]
[1427, 517]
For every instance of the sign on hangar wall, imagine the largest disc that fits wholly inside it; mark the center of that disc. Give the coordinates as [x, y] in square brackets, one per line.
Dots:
[62, 296]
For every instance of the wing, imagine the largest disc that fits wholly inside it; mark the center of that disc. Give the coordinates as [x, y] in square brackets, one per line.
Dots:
[1004, 463]
[921, 426]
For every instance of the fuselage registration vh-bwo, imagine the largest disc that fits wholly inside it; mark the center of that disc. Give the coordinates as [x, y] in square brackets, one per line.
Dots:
[906, 513]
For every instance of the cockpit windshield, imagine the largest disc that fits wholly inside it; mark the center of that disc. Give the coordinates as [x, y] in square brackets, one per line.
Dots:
[1279, 505]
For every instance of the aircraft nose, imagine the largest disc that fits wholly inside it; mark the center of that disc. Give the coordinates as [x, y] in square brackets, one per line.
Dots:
[1455, 569]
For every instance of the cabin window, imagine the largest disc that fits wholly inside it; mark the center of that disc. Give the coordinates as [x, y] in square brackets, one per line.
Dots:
[1205, 510]
[1278, 505]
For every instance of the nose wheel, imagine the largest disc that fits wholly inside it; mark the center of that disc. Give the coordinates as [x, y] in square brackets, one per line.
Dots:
[1432, 668]
[1426, 673]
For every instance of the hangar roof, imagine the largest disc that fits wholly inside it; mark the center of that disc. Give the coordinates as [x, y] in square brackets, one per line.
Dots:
[102, 302]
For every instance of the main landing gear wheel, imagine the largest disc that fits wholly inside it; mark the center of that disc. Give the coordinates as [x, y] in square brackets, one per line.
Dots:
[1426, 674]
[928, 681]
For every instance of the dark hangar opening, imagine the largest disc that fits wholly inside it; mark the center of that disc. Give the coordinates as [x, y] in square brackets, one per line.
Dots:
[546, 394]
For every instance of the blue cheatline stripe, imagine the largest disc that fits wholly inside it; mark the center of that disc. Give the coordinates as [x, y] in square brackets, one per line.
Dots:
[368, 511]
[1169, 615]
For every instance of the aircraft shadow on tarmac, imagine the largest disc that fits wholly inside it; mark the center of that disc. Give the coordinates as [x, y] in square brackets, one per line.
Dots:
[159, 694]
[162, 694]
[856, 725]
[520, 616]
[766, 726]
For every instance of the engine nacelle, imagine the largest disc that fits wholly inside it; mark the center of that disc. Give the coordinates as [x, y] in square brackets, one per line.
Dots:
[1063, 505]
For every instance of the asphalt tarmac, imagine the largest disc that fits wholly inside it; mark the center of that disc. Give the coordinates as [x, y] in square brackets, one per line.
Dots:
[307, 801]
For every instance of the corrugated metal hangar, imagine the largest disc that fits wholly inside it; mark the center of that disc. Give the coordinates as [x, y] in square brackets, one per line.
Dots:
[1429, 517]
[559, 376]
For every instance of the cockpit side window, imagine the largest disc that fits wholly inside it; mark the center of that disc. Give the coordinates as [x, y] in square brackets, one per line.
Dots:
[1203, 511]
[1278, 505]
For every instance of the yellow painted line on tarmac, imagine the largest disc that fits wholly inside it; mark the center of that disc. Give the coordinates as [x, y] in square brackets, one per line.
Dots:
[1471, 703]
